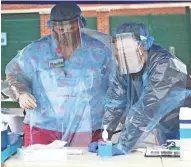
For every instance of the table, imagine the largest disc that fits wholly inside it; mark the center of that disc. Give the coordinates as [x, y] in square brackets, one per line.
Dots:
[136, 159]
[175, 162]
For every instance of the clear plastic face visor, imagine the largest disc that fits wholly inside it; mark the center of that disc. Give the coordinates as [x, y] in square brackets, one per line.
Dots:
[66, 33]
[128, 53]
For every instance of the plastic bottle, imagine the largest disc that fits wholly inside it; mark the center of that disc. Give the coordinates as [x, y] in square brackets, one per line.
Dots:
[105, 145]
[105, 133]
[185, 133]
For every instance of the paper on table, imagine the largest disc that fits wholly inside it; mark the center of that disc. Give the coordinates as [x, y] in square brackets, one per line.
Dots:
[57, 144]
[51, 152]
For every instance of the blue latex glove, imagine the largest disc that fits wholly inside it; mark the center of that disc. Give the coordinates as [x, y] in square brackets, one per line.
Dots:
[93, 147]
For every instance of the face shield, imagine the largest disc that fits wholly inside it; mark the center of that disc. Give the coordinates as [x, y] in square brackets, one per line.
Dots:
[129, 53]
[67, 35]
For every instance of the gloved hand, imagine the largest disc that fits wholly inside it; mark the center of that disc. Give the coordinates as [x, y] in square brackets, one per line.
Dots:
[27, 101]
[93, 147]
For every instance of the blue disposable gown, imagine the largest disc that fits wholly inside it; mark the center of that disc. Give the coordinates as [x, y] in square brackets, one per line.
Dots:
[159, 89]
[70, 98]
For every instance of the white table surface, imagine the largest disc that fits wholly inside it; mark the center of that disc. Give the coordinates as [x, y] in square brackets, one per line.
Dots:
[175, 162]
[136, 159]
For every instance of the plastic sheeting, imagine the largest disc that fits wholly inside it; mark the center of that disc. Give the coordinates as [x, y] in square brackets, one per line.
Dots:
[188, 99]
[69, 98]
[6, 90]
[146, 98]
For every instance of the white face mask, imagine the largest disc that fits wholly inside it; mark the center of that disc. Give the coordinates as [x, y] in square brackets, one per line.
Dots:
[128, 53]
